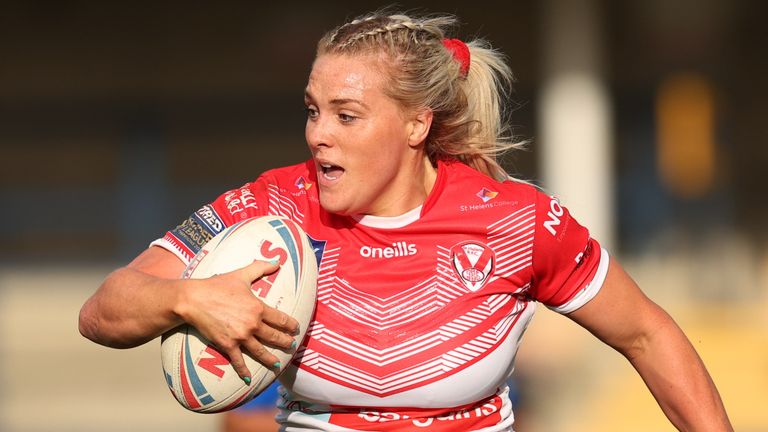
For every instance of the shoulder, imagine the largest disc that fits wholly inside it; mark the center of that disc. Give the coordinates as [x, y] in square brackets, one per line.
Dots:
[290, 181]
[253, 198]
[289, 191]
[477, 188]
[479, 201]
[474, 193]
[300, 175]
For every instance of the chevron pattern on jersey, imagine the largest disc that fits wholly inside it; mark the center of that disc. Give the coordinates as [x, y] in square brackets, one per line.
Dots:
[410, 339]
[326, 274]
[379, 313]
[281, 205]
[512, 240]
[362, 378]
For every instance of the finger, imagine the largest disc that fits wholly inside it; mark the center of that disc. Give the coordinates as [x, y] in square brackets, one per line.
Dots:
[276, 338]
[280, 320]
[238, 363]
[259, 268]
[261, 354]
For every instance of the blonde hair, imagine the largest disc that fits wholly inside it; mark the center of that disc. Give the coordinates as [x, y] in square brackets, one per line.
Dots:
[469, 118]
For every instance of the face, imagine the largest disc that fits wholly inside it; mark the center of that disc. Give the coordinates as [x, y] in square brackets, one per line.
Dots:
[368, 151]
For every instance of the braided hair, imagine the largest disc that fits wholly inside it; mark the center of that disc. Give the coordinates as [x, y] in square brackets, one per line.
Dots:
[469, 118]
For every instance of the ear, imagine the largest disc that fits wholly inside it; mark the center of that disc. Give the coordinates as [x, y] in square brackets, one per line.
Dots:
[420, 124]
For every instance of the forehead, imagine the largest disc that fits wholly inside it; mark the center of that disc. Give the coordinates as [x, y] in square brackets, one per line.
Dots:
[345, 76]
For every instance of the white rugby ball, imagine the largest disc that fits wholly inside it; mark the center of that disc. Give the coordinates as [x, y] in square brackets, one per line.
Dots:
[199, 376]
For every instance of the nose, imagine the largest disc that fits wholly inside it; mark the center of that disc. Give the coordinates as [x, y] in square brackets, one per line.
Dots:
[317, 133]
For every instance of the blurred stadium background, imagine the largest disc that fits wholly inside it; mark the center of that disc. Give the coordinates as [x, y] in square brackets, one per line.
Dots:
[117, 119]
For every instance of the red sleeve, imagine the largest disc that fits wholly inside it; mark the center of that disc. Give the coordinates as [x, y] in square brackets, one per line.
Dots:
[568, 265]
[188, 238]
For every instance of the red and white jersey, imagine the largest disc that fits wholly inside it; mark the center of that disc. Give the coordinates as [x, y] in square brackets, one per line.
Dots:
[418, 317]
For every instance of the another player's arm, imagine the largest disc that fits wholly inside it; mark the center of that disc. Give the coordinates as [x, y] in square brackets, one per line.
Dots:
[146, 298]
[624, 318]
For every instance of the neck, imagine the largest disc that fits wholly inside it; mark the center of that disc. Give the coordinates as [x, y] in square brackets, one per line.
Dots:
[422, 179]
[430, 176]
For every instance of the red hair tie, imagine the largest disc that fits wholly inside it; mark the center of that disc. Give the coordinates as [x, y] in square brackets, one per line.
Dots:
[460, 52]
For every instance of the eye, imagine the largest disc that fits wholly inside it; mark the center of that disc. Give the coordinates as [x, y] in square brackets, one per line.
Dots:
[312, 112]
[346, 118]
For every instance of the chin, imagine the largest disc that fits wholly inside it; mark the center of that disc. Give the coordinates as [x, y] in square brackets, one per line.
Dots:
[334, 206]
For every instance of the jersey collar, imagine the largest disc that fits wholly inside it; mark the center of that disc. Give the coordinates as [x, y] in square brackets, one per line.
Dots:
[389, 222]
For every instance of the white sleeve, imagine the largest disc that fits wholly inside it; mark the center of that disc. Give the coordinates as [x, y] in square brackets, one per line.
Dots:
[590, 290]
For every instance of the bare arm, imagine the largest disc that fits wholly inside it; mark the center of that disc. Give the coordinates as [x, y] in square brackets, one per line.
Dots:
[624, 318]
[136, 303]
[143, 300]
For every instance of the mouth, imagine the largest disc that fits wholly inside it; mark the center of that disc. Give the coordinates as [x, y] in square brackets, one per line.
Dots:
[330, 171]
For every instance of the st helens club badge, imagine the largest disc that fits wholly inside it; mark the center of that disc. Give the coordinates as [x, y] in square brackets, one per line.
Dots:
[473, 263]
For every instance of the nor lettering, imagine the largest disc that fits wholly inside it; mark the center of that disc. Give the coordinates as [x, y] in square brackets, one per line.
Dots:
[554, 214]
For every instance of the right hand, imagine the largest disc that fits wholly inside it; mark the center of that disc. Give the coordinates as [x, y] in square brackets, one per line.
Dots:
[225, 311]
